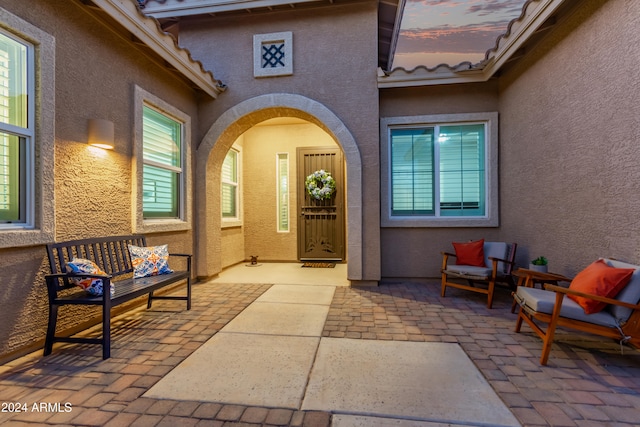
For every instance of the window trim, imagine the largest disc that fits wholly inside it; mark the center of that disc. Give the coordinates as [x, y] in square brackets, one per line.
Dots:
[159, 225]
[491, 217]
[236, 221]
[39, 225]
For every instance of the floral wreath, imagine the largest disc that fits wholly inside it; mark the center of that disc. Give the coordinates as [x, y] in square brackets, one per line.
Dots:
[320, 185]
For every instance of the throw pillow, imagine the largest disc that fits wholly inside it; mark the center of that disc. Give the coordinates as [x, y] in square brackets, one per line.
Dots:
[599, 279]
[149, 261]
[91, 285]
[471, 253]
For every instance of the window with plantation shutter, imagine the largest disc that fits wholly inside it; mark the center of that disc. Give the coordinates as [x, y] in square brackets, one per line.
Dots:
[412, 171]
[16, 133]
[462, 170]
[282, 174]
[230, 183]
[162, 165]
[438, 173]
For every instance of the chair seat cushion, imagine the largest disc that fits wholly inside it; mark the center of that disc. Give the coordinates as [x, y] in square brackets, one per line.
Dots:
[496, 250]
[468, 270]
[629, 294]
[542, 301]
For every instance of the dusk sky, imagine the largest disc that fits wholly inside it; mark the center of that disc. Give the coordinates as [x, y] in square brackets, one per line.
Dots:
[449, 32]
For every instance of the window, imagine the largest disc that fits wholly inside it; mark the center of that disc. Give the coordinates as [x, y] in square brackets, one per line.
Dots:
[161, 175]
[27, 91]
[162, 170]
[438, 172]
[282, 174]
[16, 131]
[230, 186]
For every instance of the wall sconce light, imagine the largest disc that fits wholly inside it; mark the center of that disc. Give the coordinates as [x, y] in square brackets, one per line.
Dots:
[101, 133]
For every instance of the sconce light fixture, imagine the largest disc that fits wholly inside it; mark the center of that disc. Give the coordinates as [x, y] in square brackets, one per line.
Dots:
[101, 133]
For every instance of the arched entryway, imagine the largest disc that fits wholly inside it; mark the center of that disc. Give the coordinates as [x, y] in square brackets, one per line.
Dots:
[220, 138]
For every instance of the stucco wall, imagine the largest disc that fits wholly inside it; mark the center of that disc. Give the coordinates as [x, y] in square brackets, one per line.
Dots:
[334, 64]
[570, 119]
[415, 252]
[96, 71]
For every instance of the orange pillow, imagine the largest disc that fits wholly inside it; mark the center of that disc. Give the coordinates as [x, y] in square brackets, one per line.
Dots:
[599, 279]
[471, 253]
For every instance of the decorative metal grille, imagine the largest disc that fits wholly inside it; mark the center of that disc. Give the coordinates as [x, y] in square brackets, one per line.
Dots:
[273, 55]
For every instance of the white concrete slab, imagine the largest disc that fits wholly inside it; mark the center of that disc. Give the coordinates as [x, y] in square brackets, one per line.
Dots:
[421, 381]
[285, 273]
[273, 318]
[339, 420]
[299, 294]
[244, 369]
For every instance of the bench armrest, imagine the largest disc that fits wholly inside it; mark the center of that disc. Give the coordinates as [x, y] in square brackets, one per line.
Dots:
[188, 258]
[567, 291]
[54, 285]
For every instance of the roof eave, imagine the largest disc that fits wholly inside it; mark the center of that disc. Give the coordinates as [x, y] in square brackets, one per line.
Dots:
[173, 8]
[388, 30]
[148, 31]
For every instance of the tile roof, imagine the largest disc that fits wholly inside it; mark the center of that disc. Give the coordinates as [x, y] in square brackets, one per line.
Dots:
[148, 31]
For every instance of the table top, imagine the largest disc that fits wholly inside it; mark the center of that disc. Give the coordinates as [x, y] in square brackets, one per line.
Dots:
[527, 274]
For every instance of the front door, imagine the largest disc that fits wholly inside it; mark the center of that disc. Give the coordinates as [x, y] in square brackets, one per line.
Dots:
[321, 221]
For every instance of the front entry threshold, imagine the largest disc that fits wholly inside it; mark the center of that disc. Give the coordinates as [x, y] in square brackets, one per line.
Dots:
[363, 283]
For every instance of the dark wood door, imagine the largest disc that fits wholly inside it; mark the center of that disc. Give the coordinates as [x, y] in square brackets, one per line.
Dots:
[321, 221]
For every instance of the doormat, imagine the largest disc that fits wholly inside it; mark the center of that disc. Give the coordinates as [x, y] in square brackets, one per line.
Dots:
[319, 264]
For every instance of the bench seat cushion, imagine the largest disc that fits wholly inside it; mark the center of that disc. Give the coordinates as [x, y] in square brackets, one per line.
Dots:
[542, 301]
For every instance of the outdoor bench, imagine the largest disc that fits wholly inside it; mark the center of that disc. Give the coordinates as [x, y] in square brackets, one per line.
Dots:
[112, 255]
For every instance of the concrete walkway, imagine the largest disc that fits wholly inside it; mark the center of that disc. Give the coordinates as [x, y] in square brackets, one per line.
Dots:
[587, 383]
[272, 355]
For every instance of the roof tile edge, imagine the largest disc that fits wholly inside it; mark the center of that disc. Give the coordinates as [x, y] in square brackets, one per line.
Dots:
[149, 31]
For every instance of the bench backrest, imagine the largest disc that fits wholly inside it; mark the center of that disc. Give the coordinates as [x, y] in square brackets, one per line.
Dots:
[110, 253]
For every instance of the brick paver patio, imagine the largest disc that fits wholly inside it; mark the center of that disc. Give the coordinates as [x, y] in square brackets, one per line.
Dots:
[587, 383]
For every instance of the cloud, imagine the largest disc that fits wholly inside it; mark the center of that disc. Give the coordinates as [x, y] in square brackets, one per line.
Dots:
[489, 7]
[468, 7]
[471, 38]
[454, 27]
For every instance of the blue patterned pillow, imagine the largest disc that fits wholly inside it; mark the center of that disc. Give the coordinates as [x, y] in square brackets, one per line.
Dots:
[91, 286]
[149, 261]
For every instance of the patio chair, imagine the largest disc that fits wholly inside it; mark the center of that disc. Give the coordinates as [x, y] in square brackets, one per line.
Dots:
[619, 319]
[494, 266]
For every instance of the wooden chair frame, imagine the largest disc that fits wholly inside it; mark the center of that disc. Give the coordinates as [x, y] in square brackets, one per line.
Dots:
[495, 277]
[629, 332]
